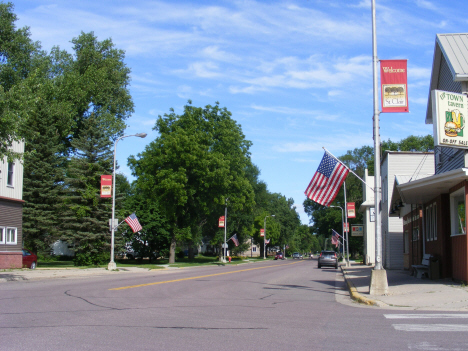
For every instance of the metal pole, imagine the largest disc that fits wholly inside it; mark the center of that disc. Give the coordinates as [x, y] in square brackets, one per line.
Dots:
[112, 266]
[264, 237]
[225, 230]
[377, 185]
[347, 226]
[378, 282]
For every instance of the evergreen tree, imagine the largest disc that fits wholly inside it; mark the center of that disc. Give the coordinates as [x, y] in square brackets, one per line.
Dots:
[85, 214]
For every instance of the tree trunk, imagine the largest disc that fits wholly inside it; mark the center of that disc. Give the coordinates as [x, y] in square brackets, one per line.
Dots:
[191, 251]
[172, 249]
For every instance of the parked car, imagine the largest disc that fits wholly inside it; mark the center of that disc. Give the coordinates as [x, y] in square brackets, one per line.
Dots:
[29, 259]
[297, 255]
[279, 256]
[328, 258]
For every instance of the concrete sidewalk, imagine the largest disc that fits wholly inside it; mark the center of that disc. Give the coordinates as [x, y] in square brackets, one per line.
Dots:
[406, 291]
[64, 273]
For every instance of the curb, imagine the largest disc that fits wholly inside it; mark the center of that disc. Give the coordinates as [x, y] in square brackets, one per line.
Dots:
[354, 293]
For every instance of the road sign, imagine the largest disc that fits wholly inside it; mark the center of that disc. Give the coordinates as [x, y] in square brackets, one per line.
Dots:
[357, 230]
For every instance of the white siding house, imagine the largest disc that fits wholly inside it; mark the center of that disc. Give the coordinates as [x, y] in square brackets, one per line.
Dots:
[11, 211]
[411, 164]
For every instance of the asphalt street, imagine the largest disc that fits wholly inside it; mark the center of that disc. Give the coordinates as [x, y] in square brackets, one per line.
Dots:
[272, 305]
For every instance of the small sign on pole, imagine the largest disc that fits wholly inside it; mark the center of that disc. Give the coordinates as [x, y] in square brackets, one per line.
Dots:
[346, 227]
[351, 208]
[221, 222]
[106, 186]
[262, 232]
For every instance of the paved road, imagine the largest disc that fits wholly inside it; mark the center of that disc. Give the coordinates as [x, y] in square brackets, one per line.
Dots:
[274, 305]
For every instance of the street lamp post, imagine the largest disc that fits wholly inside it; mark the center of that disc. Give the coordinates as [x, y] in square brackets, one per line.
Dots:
[264, 238]
[225, 230]
[112, 266]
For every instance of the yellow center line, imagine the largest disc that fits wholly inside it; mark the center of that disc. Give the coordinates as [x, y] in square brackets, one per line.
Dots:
[191, 278]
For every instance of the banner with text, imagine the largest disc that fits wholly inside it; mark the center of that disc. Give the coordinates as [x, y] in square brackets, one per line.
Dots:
[394, 85]
[106, 186]
[449, 111]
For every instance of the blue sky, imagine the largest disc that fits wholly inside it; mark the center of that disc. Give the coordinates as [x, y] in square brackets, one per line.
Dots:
[297, 75]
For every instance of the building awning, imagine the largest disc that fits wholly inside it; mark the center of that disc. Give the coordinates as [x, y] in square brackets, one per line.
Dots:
[423, 190]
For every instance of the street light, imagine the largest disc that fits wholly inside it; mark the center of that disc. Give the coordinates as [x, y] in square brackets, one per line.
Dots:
[112, 266]
[342, 229]
[264, 233]
[225, 230]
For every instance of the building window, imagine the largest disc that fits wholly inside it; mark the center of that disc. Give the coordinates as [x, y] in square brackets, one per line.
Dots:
[11, 167]
[431, 222]
[372, 214]
[415, 234]
[406, 242]
[254, 249]
[2, 235]
[10, 236]
[457, 212]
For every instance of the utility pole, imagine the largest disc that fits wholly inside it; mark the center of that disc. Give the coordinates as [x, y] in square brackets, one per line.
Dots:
[378, 283]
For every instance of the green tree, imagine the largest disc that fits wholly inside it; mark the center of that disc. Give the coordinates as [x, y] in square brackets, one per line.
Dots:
[85, 214]
[17, 53]
[196, 163]
[155, 235]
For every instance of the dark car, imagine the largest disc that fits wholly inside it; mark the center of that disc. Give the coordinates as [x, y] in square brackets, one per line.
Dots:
[328, 258]
[279, 256]
[297, 255]
[29, 259]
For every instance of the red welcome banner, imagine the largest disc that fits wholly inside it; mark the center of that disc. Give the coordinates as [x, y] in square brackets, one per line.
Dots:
[351, 209]
[221, 222]
[106, 186]
[394, 85]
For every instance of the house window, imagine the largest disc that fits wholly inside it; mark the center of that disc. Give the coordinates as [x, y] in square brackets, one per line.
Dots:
[434, 221]
[415, 234]
[2, 235]
[10, 236]
[11, 167]
[254, 249]
[457, 212]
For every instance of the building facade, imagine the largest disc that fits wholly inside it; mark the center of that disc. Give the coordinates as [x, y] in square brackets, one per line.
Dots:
[11, 211]
[435, 216]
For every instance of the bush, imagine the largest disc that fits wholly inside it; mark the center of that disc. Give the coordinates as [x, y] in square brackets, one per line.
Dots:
[91, 258]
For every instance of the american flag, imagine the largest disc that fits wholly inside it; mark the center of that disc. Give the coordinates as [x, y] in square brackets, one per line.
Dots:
[326, 181]
[267, 241]
[234, 238]
[335, 238]
[132, 221]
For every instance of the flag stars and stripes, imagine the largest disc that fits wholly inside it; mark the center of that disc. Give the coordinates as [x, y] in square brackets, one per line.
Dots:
[327, 181]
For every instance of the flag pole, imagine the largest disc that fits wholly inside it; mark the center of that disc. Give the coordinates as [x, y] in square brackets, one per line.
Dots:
[347, 225]
[349, 169]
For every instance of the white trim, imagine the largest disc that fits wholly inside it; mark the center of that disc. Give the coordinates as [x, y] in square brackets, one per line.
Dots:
[455, 221]
[2, 235]
[15, 236]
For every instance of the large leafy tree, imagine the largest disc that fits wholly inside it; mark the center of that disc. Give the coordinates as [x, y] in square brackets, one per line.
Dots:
[17, 55]
[63, 93]
[193, 167]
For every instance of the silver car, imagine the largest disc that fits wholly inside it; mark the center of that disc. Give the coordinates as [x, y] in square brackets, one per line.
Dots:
[328, 258]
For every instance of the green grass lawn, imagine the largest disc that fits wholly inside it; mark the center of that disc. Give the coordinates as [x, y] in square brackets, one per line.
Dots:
[155, 264]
